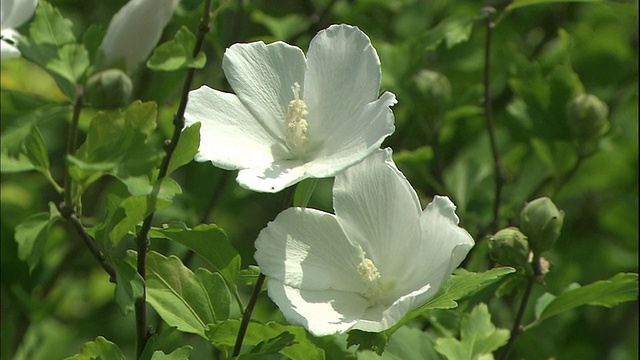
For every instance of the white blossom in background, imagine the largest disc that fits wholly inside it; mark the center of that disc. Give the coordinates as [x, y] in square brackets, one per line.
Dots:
[134, 31]
[293, 117]
[379, 257]
[14, 13]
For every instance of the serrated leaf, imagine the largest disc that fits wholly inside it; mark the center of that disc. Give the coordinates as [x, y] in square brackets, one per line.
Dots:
[478, 337]
[184, 299]
[303, 192]
[181, 353]
[118, 144]
[453, 30]
[49, 27]
[406, 344]
[608, 293]
[223, 334]
[209, 242]
[368, 340]
[31, 235]
[270, 346]
[186, 149]
[101, 348]
[459, 285]
[129, 286]
[71, 63]
[177, 53]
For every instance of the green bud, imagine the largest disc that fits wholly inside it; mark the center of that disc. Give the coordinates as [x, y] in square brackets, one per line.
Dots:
[435, 91]
[587, 117]
[541, 221]
[509, 247]
[109, 89]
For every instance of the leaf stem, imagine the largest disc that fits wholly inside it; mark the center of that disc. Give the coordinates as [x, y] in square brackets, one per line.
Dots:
[142, 239]
[488, 112]
[257, 288]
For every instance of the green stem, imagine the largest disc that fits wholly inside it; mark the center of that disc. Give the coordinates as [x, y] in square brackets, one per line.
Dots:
[488, 113]
[142, 239]
[257, 288]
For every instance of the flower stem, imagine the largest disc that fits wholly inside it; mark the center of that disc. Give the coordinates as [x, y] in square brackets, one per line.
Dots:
[257, 288]
[488, 113]
[517, 329]
[142, 239]
[67, 208]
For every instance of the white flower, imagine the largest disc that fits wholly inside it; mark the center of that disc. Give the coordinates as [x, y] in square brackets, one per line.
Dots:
[14, 13]
[134, 31]
[368, 265]
[294, 117]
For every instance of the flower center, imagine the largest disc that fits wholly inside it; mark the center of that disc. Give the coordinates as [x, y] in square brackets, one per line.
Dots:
[295, 122]
[371, 278]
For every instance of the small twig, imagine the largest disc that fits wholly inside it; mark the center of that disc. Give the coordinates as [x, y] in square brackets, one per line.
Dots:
[488, 112]
[257, 288]
[516, 330]
[142, 239]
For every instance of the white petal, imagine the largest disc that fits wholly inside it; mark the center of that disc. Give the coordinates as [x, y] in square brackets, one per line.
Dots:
[343, 76]
[262, 76]
[378, 319]
[17, 12]
[230, 137]
[306, 248]
[444, 244]
[273, 177]
[378, 209]
[8, 51]
[321, 312]
[355, 138]
[135, 30]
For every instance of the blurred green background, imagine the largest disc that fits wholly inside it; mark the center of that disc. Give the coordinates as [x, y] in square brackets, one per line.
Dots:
[543, 55]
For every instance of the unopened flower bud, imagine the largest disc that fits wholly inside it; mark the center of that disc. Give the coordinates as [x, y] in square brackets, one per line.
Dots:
[509, 247]
[133, 33]
[109, 89]
[541, 221]
[587, 117]
[435, 90]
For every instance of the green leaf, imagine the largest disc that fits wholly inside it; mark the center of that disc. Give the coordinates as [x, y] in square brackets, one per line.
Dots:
[608, 293]
[303, 192]
[186, 149]
[36, 151]
[117, 143]
[101, 348]
[283, 27]
[223, 334]
[129, 286]
[189, 301]
[31, 235]
[270, 346]
[209, 242]
[49, 27]
[181, 353]
[249, 276]
[177, 53]
[92, 39]
[71, 63]
[406, 344]
[368, 340]
[522, 3]
[460, 285]
[478, 337]
[453, 30]
[124, 211]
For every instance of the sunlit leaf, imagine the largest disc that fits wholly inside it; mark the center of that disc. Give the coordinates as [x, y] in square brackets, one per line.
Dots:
[101, 348]
[71, 63]
[186, 149]
[223, 334]
[407, 343]
[478, 336]
[270, 346]
[177, 53]
[209, 242]
[184, 299]
[181, 353]
[49, 27]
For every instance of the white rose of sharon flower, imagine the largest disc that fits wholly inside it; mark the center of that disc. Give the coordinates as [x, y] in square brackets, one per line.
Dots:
[368, 265]
[294, 117]
[134, 31]
[14, 13]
